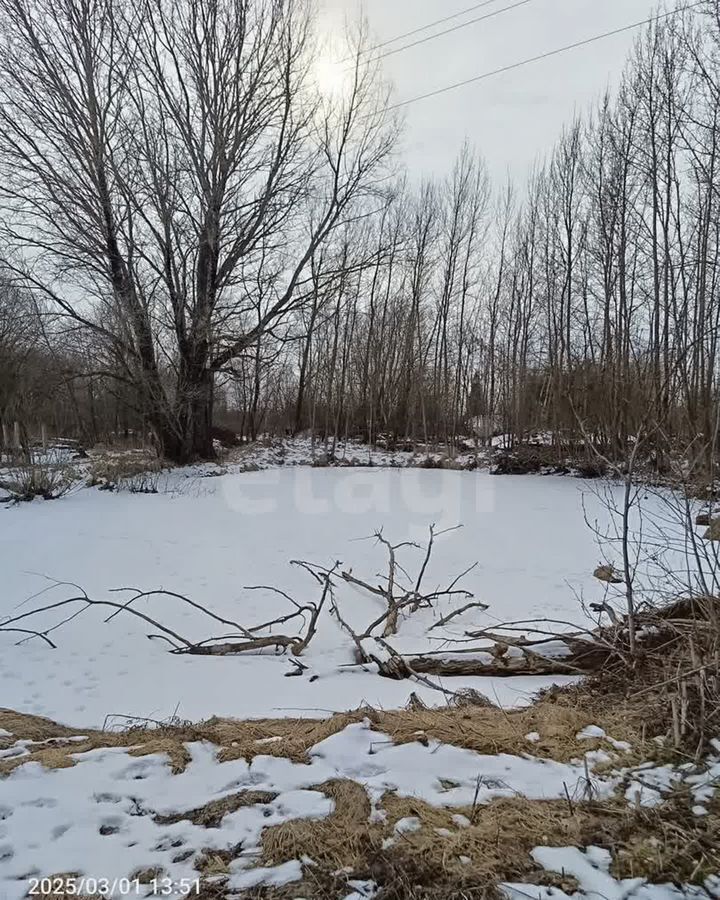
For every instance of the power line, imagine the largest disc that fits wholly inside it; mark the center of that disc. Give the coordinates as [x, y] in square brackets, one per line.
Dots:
[414, 31]
[542, 56]
[431, 37]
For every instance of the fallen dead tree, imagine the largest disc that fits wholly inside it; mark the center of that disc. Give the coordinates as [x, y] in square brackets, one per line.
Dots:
[500, 656]
[454, 664]
[242, 640]
[575, 652]
[530, 647]
[401, 596]
[557, 652]
[399, 599]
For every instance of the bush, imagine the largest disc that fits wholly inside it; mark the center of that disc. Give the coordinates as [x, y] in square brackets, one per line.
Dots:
[594, 468]
[136, 472]
[518, 463]
[143, 483]
[226, 437]
[46, 480]
[432, 462]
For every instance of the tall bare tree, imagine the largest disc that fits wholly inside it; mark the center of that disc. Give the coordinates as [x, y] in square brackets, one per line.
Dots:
[158, 161]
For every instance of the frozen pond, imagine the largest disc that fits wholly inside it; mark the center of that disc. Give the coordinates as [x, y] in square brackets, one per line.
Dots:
[209, 538]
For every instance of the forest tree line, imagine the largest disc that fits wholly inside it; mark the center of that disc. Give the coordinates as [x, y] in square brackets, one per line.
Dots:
[248, 251]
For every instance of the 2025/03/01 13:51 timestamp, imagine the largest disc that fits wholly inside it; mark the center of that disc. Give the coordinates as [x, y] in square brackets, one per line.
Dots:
[113, 887]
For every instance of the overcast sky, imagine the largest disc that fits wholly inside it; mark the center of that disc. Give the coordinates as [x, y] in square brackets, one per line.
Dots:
[512, 118]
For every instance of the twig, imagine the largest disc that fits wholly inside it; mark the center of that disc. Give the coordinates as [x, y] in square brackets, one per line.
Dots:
[458, 612]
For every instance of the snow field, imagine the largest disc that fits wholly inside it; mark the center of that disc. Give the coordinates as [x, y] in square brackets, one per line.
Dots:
[113, 814]
[209, 538]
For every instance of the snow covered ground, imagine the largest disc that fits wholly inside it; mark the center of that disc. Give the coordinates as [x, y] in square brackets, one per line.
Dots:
[106, 808]
[591, 867]
[209, 538]
[127, 826]
[113, 814]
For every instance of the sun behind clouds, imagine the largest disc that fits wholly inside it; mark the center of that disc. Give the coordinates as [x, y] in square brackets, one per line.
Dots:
[332, 74]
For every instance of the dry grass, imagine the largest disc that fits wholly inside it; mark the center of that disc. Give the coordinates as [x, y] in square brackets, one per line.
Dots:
[38, 479]
[669, 843]
[557, 717]
[496, 845]
[33, 728]
[111, 469]
[441, 859]
[211, 814]
[344, 839]
[661, 845]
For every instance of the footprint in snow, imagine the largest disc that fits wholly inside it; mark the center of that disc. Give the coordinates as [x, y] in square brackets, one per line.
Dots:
[41, 803]
[107, 798]
[111, 826]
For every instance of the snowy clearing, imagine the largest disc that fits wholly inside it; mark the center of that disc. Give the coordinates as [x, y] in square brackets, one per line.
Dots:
[137, 819]
[209, 538]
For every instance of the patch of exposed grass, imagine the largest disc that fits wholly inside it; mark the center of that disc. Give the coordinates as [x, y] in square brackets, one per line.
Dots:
[212, 813]
[495, 845]
[442, 859]
[557, 717]
[343, 839]
[133, 470]
[38, 479]
[669, 843]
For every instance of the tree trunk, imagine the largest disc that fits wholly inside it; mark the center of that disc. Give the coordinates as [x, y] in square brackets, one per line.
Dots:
[185, 433]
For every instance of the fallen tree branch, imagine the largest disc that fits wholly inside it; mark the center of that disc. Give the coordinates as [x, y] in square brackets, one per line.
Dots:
[508, 649]
[8, 624]
[498, 667]
[477, 604]
[30, 633]
[247, 640]
[398, 598]
[139, 595]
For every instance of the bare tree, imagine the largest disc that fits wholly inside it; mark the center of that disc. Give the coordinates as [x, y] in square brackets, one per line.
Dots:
[159, 160]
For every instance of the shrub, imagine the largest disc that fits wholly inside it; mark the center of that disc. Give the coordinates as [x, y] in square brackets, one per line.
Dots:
[517, 464]
[46, 480]
[594, 468]
[226, 437]
[432, 462]
[127, 471]
[143, 483]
